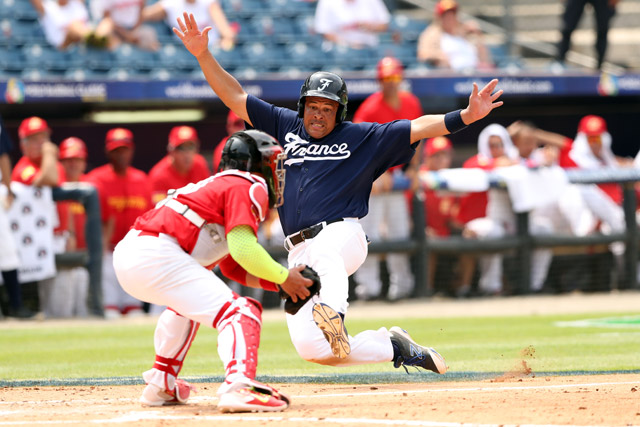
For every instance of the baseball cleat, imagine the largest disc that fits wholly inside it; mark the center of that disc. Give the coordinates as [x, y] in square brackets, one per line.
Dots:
[332, 325]
[406, 352]
[249, 399]
[156, 396]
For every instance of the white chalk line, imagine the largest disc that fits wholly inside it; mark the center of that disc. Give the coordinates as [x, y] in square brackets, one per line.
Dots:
[134, 416]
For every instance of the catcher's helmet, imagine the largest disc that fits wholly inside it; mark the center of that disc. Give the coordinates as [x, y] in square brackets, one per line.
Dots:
[257, 152]
[325, 85]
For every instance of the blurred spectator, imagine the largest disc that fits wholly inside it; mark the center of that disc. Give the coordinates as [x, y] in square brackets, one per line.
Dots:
[9, 257]
[449, 43]
[208, 13]
[66, 294]
[495, 149]
[39, 167]
[441, 207]
[234, 124]
[181, 166]
[354, 23]
[604, 10]
[123, 20]
[66, 22]
[388, 217]
[125, 194]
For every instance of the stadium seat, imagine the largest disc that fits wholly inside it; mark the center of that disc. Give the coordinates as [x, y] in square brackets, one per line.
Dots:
[12, 61]
[133, 58]
[25, 33]
[46, 58]
[177, 58]
[19, 9]
[408, 29]
[96, 60]
[264, 57]
[292, 8]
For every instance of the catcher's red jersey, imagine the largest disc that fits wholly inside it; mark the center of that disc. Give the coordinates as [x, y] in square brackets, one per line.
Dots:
[229, 199]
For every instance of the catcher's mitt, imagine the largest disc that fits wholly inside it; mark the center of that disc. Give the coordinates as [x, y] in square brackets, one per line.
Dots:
[293, 307]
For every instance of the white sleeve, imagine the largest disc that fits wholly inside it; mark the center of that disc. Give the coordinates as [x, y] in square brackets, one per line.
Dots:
[324, 18]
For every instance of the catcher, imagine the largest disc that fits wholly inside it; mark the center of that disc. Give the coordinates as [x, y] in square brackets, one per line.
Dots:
[165, 257]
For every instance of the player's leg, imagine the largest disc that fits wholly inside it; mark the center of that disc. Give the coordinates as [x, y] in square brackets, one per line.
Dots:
[401, 280]
[157, 270]
[239, 324]
[368, 275]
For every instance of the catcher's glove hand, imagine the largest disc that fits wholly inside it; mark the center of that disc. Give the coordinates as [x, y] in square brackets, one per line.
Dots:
[293, 307]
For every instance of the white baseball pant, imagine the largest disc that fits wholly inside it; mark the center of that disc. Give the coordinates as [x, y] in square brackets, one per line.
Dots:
[335, 253]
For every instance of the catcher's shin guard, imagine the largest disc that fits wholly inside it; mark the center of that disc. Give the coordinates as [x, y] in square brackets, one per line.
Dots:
[173, 337]
[239, 324]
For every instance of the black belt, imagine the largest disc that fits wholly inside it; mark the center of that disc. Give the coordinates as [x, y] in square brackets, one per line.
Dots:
[308, 233]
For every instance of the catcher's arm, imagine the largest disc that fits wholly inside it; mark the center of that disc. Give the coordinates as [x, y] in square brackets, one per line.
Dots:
[254, 266]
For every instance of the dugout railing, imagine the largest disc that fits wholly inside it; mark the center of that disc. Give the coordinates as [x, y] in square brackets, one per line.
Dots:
[523, 242]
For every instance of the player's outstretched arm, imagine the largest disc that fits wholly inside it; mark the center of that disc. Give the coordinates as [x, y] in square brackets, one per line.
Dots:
[223, 84]
[258, 268]
[481, 103]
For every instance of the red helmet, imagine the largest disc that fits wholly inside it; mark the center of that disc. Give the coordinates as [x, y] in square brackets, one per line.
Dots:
[444, 6]
[118, 137]
[73, 148]
[258, 152]
[437, 144]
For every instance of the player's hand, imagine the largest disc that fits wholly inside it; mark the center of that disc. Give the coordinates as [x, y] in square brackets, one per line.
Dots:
[481, 102]
[196, 41]
[296, 285]
[49, 149]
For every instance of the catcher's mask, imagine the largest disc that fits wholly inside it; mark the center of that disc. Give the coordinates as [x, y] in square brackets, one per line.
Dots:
[325, 85]
[257, 152]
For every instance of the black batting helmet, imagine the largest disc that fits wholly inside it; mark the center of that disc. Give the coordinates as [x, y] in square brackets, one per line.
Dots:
[257, 152]
[325, 85]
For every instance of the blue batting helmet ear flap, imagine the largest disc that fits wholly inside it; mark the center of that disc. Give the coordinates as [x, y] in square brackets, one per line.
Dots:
[325, 85]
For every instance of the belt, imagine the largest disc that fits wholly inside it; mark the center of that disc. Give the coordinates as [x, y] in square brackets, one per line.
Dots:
[306, 233]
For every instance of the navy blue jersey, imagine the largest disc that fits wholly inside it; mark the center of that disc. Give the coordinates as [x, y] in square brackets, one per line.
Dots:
[5, 141]
[330, 178]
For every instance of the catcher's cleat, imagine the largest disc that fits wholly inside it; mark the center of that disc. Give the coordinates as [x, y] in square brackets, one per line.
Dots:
[156, 396]
[406, 352]
[332, 326]
[250, 399]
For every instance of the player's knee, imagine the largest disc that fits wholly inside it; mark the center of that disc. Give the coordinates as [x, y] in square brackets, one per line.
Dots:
[314, 350]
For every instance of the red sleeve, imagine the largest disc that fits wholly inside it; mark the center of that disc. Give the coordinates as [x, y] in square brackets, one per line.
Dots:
[564, 160]
[232, 270]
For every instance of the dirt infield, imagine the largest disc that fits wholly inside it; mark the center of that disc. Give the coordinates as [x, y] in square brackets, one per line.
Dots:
[599, 400]
[515, 398]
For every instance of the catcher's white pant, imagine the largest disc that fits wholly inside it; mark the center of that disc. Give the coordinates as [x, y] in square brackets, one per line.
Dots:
[335, 253]
[157, 270]
[113, 296]
[388, 219]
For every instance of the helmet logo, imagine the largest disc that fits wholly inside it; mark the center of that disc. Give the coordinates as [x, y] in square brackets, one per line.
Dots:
[325, 83]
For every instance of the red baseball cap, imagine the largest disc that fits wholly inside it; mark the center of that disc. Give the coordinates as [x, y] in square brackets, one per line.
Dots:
[592, 125]
[73, 148]
[437, 144]
[444, 6]
[32, 125]
[389, 66]
[181, 134]
[233, 118]
[118, 137]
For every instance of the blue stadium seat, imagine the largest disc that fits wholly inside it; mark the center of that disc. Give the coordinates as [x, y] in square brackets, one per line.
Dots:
[46, 58]
[263, 56]
[303, 56]
[95, 60]
[408, 29]
[82, 74]
[405, 52]
[12, 61]
[133, 58]
[177, 58]
[25, 33]
[20, 9]
[292, 8]
[246, 8]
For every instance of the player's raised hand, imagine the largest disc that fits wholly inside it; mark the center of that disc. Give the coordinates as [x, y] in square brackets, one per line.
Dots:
[196, 41]
[482, 102]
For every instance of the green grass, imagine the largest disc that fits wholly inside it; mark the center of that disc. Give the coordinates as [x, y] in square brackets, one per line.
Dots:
[492, 344]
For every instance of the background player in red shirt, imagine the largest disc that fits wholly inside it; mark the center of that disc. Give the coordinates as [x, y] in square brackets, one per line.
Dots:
[166, 257]
[388, 217]
[182, 164]
[234, 124]
[125, 194]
